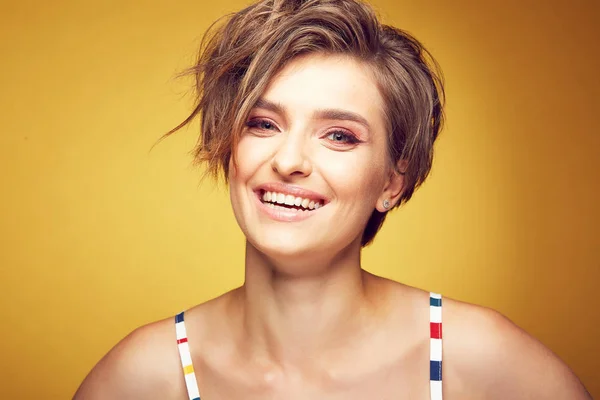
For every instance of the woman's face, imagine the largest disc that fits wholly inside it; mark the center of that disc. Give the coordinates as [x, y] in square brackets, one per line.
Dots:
[312, 162]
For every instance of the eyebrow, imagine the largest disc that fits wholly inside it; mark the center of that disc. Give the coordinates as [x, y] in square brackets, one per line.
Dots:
[321, 114]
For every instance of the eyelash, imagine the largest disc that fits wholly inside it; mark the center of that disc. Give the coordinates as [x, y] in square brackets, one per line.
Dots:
[256, 122]
[350, 138]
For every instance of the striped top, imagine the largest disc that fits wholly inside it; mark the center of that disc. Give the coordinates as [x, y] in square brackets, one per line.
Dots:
[435, 346]
[186, 358]
[435, 351]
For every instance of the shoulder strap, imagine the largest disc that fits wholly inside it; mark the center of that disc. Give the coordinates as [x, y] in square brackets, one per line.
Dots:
[186, 358]
[435, 349]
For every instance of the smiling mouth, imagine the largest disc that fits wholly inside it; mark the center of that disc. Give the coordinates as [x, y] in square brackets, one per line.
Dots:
[288, 202]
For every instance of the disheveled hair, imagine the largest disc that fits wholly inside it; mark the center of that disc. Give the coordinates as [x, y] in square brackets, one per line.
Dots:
[242, 52]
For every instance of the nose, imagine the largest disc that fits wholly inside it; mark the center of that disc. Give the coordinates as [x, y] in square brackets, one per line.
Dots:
[290, 158]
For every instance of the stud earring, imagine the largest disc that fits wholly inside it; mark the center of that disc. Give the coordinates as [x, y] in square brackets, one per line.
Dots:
[386, 204]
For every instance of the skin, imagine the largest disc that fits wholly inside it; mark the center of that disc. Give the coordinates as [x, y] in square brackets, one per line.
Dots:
[309, 322]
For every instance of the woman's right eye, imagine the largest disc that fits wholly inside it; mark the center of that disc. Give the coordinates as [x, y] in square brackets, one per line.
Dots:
[261, 124]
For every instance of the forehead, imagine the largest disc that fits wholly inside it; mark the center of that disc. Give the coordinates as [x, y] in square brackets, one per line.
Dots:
[327, 81]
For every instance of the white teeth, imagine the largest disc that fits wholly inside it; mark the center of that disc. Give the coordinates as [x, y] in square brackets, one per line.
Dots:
[289, 200]
[273, 198]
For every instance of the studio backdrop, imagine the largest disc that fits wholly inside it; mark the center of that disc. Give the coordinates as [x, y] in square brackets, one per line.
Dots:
[101, 233]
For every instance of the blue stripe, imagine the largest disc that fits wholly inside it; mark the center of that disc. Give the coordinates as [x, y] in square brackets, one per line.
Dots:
[196, 398]
[435, 370]
[179, 317]
[435, 302]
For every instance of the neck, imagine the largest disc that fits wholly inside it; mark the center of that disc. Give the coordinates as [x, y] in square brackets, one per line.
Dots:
[294, 317]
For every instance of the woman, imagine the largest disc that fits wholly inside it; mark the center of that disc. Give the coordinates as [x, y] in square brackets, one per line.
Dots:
[322, 120]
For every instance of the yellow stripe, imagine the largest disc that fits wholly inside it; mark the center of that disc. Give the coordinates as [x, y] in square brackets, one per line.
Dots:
[188, 369]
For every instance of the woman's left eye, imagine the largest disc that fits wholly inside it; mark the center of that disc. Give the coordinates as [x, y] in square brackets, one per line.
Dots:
[342, 137]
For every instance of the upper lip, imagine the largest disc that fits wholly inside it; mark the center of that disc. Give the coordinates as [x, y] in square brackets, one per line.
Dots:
[296, 191]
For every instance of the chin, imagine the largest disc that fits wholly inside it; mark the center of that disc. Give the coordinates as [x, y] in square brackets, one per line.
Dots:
[295, 255]
[282, 247]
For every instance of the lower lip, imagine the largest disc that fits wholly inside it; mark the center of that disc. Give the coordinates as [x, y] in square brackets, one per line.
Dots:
[286, 215]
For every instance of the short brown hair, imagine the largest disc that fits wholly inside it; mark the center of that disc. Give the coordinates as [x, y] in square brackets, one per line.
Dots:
[239, 56]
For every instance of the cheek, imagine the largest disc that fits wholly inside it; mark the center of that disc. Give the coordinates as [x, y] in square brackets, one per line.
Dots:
[251, 152]
[250, 155]
[238, 177]
[242, 169]
[357, 177]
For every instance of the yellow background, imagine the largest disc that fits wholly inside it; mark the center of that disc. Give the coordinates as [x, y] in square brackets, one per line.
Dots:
[100, 235]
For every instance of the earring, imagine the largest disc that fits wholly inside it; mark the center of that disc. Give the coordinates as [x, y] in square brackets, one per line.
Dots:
[386, 204]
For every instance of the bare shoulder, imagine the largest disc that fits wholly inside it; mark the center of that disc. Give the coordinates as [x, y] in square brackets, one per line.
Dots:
[487, 356]
[144, 365]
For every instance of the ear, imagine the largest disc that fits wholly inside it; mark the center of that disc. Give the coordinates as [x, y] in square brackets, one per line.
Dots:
[394, 187]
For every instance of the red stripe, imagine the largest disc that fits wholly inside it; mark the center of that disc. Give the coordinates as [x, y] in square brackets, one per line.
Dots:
[184, 340]
[436, 330]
